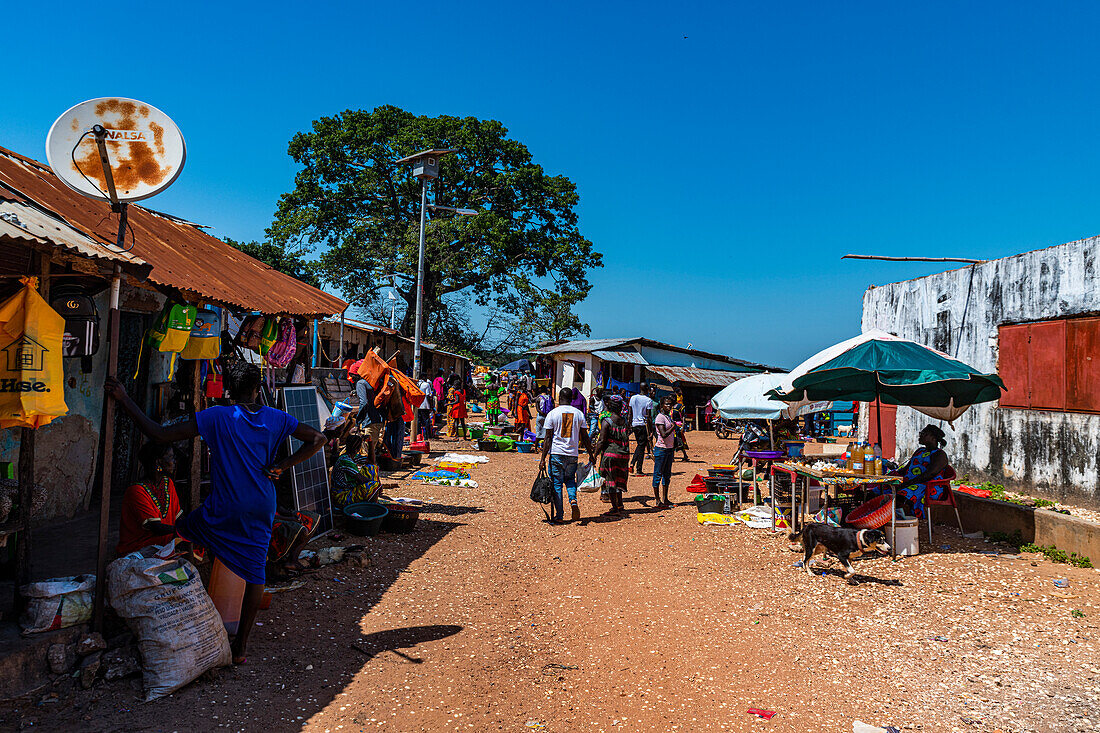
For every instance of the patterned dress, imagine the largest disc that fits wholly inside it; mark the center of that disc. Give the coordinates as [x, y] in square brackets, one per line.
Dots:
[354, 479]
[616, 457]
[918, 465]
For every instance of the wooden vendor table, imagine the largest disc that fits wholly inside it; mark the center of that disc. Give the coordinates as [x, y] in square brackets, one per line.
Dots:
[844, 483]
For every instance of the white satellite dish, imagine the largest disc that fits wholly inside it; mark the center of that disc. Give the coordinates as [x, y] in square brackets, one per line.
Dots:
[116, 149]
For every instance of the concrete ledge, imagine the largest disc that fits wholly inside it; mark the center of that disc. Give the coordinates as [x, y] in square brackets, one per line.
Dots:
[24, 665]
[1041, 526]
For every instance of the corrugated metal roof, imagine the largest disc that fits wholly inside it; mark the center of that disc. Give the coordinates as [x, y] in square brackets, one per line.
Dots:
[26, 223]
[622, 357]
[375, 328]
[693, 375]
[580, 347]
[181, 256]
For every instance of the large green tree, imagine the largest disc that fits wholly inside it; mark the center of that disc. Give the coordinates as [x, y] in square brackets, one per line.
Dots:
[521, 256]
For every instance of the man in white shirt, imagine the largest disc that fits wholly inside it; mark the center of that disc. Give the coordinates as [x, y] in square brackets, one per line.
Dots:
[640, 405]
[564, 434]
[424, 412]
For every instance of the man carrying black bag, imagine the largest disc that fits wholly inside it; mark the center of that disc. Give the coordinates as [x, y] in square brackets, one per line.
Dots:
[564, 433]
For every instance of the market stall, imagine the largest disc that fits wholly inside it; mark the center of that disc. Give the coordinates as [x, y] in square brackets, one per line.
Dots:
[881, 368]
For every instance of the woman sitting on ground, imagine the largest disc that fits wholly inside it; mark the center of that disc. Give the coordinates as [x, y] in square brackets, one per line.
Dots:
[355, 475]
[150, 507]
[927, 464]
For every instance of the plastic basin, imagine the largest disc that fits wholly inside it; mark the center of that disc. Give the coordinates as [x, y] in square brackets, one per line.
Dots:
[364, 518]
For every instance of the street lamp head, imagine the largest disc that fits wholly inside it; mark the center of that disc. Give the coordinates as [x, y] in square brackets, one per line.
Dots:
[425, 164]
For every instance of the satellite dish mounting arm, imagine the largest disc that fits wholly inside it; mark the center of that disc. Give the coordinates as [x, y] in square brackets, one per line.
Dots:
[117, 206]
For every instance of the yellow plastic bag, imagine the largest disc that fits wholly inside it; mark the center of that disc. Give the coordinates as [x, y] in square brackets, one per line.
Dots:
[32, 379]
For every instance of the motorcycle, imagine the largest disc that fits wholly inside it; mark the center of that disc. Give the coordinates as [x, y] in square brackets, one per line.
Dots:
[726, 428]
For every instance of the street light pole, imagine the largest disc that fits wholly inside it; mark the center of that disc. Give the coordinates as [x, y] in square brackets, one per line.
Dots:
[425, 166]
[419, 286]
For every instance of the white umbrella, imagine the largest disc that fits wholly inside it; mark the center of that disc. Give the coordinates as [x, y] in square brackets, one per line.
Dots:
[745, 400]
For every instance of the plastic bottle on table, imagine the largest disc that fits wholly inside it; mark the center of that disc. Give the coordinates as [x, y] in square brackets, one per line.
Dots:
[857, 458]
[878, 459]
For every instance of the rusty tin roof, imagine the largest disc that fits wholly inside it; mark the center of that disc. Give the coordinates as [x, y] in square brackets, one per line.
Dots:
[181, 255]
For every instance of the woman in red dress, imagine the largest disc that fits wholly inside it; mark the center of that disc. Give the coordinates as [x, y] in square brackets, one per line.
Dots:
[150, 507]
[456, 401]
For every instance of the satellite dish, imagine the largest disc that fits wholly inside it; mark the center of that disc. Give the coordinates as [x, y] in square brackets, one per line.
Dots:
[116, 149]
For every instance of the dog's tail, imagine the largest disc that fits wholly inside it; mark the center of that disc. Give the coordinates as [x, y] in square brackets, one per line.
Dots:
[795, 536]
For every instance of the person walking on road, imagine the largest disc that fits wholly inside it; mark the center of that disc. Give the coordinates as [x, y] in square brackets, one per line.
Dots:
[595, 408]
[234, 522]
[613, 448]
[523, 411]
[664, 451]
[563, 436]
[424, 412]
[456, 407]
[543, 406]
[639, 424]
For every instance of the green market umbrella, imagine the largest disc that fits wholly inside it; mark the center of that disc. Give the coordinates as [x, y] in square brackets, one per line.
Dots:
[877, 366]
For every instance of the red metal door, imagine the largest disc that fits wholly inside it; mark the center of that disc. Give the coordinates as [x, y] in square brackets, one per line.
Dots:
[1012, 365]
[889, 428]
[1083, 365]
[1047, 368]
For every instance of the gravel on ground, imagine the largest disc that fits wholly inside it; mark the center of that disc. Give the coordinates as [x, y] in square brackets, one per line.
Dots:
[487, 618]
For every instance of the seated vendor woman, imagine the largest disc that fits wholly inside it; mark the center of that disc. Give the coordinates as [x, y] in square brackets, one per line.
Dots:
[150, 507]
[355, 475]
[928, 463]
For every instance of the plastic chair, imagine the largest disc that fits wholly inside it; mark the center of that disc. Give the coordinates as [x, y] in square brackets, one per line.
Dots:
[947, 500]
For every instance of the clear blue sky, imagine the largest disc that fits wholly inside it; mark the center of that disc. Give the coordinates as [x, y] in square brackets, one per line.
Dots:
[722, 174]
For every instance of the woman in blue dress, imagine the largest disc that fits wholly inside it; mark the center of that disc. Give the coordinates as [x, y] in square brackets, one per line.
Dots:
[234, 522]
[927, 463]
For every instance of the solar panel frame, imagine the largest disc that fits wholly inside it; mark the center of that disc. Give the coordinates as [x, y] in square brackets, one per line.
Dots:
[310, 477]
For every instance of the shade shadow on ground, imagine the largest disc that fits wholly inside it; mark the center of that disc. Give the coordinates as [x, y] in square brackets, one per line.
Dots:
[308, 648]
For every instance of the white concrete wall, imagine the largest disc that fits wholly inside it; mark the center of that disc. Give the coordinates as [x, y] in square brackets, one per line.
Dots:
[1055, 453]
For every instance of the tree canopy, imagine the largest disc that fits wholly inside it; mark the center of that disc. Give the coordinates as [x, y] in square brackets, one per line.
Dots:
[280, 258]
[521, 262]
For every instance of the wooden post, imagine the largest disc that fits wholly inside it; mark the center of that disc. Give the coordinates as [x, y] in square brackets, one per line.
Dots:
[26, 461]
[26, 480]
[311, 338]
[195, 477]
[340, 353]
[108, 441]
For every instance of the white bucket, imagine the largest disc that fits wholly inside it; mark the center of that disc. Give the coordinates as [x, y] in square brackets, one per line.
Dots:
[813, 499]
[907, 541]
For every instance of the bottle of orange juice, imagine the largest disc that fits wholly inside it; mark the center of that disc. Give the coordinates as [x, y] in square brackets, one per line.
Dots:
[857, 458]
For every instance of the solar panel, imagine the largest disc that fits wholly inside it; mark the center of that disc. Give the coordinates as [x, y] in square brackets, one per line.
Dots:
[310, 477]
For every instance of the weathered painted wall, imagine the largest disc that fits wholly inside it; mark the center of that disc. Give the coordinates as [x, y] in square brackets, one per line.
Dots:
[958, 312]
[66, 450]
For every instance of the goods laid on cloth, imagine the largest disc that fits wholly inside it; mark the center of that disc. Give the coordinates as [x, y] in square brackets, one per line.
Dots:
[873, 514]
[32, 378]
[461, 458]
[57, 603]
[756, 517]
[179, 632]
[439, 473]
[877, 366]
[440, 481]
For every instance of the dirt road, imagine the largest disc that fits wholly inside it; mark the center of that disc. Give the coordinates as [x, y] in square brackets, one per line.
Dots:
[489, 619]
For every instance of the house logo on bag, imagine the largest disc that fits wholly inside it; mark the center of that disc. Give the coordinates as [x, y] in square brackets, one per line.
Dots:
[25, 355]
